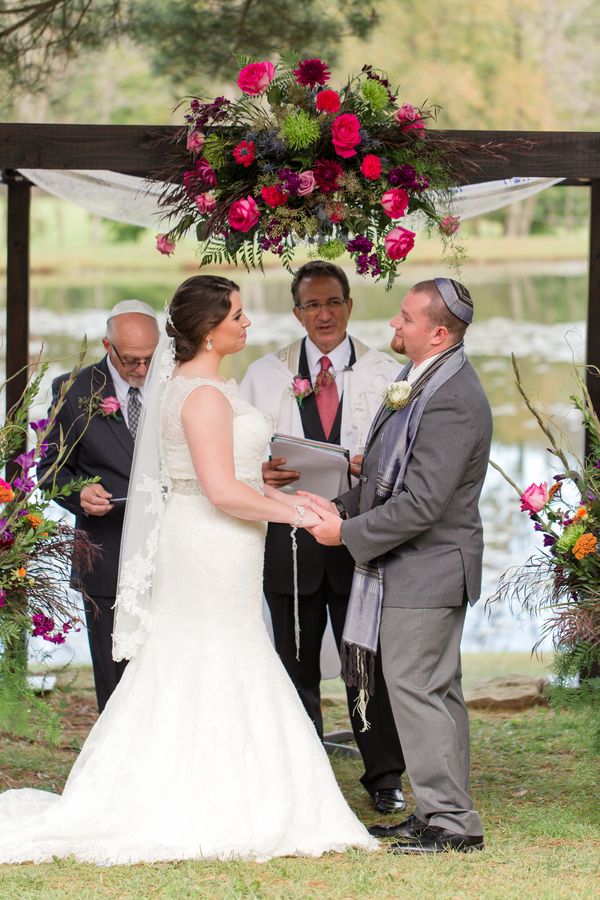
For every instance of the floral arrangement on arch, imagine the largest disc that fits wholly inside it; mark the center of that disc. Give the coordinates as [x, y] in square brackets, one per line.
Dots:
[295, 160]
[563, 579]
[36, 553]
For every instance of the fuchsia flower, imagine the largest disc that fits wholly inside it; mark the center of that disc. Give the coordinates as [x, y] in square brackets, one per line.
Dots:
[327, 101]
[195, 141]
[109, 406]
[534, 498]
[345, 135]
[40, 425]
[399, 242]
[164, 245]
[243, 214]
[395, 202]
[2, 597]
[243, 153]
[311, 72]
[255, 78]
[205, 203]
[409, 117]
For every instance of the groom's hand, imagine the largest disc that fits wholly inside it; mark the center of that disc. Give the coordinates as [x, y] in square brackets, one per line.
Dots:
[319, 502]
[328, 531]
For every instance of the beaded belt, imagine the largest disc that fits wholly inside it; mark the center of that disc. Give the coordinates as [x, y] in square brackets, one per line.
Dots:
[185, 486]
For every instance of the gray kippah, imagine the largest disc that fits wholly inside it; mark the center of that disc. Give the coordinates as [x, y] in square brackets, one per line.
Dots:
[131, 306]
[456, 297]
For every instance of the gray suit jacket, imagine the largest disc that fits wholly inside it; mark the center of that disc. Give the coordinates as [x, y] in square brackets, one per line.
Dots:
[430, 535]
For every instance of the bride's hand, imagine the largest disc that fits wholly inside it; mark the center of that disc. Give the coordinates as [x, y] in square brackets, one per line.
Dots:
[310, 519]
[319, 502]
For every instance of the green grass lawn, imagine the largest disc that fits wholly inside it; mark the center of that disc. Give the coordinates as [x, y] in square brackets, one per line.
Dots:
[533, 778]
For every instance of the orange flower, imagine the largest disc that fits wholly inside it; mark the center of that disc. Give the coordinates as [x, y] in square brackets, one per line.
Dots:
[580, 514]
[553, 489]
[584, 545]
[6, 492]
[22, 572]
[34, 520]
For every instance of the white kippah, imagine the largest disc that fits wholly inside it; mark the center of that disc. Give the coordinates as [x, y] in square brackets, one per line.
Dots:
[131, 306]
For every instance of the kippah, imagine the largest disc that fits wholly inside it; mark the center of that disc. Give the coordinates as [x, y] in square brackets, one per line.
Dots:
[131, 306]
[456, 297]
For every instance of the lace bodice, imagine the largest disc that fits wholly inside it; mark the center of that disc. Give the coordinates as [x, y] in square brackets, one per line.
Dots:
[251, 431]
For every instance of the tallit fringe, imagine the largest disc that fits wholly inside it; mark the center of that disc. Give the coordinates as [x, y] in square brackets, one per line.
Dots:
[358, 670]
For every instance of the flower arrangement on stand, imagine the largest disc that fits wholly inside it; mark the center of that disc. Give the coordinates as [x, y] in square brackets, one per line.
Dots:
[293, 160]
[36, 553]
[563, 579]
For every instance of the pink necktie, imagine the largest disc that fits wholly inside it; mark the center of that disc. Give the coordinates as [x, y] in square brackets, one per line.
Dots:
[327, 396]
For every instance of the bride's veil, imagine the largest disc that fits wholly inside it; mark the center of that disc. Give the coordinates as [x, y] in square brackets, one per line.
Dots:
[148, 486]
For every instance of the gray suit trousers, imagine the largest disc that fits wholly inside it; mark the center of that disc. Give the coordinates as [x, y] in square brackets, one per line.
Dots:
[420, 653]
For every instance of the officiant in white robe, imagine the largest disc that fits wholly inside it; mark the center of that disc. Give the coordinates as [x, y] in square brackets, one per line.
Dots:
[343, 384]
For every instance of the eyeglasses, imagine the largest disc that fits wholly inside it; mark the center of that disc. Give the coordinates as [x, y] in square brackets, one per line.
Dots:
[312, 306]
[131, 364]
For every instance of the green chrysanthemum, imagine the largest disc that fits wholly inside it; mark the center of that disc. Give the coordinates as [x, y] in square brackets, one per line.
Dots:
[299, 130]
[332, 249]
[569, 538]
[375, 95]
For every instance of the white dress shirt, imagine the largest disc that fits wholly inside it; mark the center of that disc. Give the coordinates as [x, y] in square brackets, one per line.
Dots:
[122, 389]
[339, 356]
[422, 367]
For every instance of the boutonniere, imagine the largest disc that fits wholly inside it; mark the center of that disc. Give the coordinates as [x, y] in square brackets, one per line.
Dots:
[397, 395]
[301, 388]
[108, 407]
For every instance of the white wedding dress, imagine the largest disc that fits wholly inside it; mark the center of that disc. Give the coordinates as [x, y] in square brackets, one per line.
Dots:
[204, 751]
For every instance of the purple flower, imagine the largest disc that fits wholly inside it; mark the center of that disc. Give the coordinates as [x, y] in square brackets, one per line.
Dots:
[42, 449]
[26, 460]
[7, 538]
[549, 540]
[359, 244]
[290, 180]
[2, 597]
[591, 497]
[43, 625]
[26, 485]
[40, 425]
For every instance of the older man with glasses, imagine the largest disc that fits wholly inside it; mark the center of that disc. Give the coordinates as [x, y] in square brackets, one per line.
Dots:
[99, 421]
[347, 382]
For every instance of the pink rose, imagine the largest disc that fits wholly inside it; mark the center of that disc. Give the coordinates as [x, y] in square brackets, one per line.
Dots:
[255, 78]
[395, 202]
[109, 406]
[206, 203]
[164, 245]
[409, 117]
[195, 141]
[449, 225]
[243, 214]
[535, 498]
[301, 388]
[399, 242]
[307, 183]
[345, 135]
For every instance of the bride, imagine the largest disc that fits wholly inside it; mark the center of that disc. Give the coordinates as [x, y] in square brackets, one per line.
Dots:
[204, 750]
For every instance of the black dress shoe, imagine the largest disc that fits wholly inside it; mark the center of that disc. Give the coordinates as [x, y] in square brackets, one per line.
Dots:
[411, 827]
[389, 800]
[438, 840]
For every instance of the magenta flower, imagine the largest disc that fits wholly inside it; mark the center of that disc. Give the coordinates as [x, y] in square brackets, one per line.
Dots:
[195, 141]
[26, 460]
[534, 498]
[40, 425]
[164, 245]
[255, 78]
[26, 485]
[311, 72]
[2, 597]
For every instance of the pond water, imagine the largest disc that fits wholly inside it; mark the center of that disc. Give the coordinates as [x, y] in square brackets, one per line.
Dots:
[536, 311]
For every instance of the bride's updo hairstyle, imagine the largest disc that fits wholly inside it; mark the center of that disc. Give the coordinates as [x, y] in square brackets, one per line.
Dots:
[198, 305]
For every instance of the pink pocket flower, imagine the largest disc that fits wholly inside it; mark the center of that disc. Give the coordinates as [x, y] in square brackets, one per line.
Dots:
[205, 203]
[395, 202]
[164, 245]
[243, 214]
[195, 141]
[255, 78]
[534, 498]
[399, 242]
[301, 388]
[345, 135]
[307, 183]
[109, 406]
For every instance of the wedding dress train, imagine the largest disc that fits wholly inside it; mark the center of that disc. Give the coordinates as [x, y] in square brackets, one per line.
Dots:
[204, 750]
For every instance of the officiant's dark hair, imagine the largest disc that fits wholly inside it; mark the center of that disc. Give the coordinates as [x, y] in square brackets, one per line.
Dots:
[198, 305]
[319, 269]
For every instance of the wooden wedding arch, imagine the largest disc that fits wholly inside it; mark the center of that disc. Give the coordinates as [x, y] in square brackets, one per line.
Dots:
[141, 150]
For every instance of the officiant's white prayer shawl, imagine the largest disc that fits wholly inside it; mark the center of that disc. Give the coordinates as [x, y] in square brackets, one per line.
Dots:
[267, 385]
[268, 382]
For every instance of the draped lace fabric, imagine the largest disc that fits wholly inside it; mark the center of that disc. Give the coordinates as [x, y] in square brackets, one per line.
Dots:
[204, 750]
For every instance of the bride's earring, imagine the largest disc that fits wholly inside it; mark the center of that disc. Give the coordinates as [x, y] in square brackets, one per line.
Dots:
[208, 344]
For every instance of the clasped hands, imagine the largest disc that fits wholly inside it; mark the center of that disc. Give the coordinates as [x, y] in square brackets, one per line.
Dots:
[327, 531]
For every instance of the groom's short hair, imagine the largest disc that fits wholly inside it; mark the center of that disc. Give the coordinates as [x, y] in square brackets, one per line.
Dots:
[318, 268]
[437, 312]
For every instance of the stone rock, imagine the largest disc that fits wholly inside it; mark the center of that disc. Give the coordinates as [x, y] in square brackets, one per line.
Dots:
[507, 692]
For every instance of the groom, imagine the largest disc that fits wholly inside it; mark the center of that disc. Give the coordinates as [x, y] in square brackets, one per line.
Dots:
[413, 528]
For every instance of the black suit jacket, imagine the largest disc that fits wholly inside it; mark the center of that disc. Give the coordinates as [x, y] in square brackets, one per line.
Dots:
[104, 448]
[314, 560]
